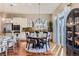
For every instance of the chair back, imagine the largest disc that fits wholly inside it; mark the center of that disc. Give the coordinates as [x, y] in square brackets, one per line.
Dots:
[48, 36]
[32, 34]
[44, 35]
[35, 34]
[3, 46]
[40, 34]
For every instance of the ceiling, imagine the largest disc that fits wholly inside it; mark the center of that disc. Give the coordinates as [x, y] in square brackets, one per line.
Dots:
[28, 8]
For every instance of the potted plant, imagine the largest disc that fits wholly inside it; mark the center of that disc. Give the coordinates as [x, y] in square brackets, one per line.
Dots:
[50, 29]
[50, 26]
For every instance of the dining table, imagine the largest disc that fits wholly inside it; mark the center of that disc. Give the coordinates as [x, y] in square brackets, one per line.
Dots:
[38, 40]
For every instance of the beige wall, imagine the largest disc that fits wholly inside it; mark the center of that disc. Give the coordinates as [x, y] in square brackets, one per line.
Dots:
[75, 5]
[0, 24]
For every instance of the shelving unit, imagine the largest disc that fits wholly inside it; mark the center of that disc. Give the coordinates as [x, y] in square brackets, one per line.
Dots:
[72, 33]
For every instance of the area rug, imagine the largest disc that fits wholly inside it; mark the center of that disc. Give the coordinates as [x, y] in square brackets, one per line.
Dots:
[37, 50]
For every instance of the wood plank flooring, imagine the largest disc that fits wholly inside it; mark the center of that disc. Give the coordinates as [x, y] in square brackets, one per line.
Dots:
[20, 50]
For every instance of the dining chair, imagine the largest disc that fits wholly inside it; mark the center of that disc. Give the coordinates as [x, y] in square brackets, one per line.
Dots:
[3, 48]
[40, 34]
[41, 41]
[46, 40]
[27, 34]
[14, 40]
[31, 42]
[35, 34]
[17, 35]
[27, 40]
[32, 34]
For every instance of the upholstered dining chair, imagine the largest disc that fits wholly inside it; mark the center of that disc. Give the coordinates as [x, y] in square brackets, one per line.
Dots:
[31, 42]
[35, 34]
[48, 38]
[27, 39]
[40, 34]
[46, 41]
[3, 47]
[14, 40]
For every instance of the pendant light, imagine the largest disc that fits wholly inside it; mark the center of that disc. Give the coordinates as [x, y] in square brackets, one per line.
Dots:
[39, 10]
[39, 16]
[12, 5]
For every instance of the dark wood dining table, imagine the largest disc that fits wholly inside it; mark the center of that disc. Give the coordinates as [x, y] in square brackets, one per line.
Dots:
[38, 40]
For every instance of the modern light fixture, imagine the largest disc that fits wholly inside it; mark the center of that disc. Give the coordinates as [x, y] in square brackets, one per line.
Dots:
[12, 4]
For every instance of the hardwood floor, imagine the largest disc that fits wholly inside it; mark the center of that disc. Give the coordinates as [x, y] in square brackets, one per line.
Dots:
[20, 50]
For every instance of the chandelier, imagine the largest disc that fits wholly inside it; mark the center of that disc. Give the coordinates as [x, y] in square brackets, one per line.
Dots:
[39, 10]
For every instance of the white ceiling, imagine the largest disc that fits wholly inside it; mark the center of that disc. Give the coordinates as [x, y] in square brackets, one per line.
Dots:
[28, 8]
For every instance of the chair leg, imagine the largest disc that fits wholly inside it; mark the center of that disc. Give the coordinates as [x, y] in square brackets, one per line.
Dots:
[28, 45]
[46, 47]
[49, 44]
[6, 52]
[14, 46]
[1, 51]
[33, 45]
[0, 54]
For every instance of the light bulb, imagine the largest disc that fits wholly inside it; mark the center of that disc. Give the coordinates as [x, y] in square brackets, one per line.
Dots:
[70, 23]
[11, 21]
[3, 19]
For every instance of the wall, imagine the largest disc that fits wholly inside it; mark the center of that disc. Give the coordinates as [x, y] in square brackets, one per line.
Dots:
[0, 24]
[75, 5]
[62, 6]
[23, 21]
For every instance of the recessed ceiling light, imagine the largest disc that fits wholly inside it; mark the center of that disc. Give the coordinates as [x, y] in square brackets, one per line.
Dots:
[12, 4]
